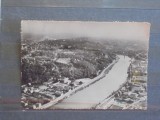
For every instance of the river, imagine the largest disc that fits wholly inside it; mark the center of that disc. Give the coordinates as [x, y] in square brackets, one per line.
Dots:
[95, 93]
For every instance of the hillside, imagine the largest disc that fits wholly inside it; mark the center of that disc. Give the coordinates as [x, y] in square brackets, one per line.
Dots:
[54, 60]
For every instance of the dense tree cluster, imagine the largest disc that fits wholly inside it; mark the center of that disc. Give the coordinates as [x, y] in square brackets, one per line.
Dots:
[33, 71]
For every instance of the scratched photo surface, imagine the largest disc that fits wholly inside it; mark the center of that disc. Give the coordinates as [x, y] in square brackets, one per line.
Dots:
[84, 65]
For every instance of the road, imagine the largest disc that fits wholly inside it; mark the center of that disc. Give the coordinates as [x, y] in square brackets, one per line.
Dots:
[95, 93]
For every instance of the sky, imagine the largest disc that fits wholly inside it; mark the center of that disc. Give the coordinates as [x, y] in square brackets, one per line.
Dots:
[99, 30]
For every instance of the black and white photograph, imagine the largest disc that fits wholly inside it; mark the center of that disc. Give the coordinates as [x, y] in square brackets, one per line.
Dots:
[84, 65]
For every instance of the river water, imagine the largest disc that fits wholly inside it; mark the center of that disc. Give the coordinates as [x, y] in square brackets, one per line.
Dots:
[95, 93]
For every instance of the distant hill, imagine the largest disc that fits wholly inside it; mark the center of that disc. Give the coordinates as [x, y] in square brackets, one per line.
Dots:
[77, 43]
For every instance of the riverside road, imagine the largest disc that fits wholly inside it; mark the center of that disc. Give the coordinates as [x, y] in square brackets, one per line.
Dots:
[95, 93]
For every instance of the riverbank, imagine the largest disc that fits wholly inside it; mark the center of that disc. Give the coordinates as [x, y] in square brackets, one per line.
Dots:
[93, 94]
[83, 86]
[133, 93]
